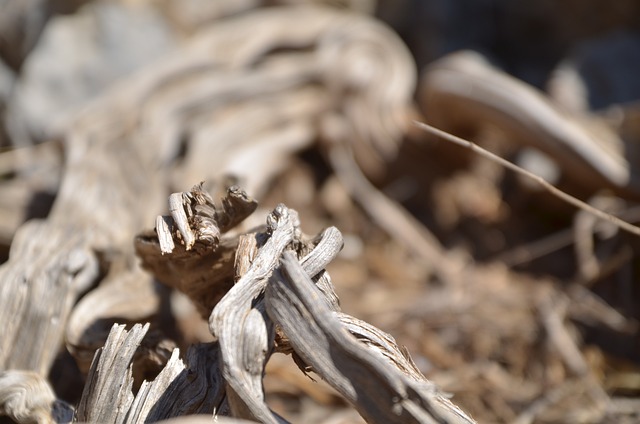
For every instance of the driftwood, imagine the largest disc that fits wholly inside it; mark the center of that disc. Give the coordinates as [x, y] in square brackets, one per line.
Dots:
[180, 389]
[111, 172]
[589, 152]
[116, 153]
[27, 398]
[102, 202]
[244, 323]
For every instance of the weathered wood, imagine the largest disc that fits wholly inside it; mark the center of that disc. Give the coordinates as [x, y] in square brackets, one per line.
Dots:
[199, 220]
[116, 147]
[47, 269]
[58, 257]
[584, 147]
[246, 335]
[327, 247]
[200, 263]
[204, 419]
[194, 387]
[377, 340]
[30, 179]
[107, 395]
[375, 386]
[116, 153]
[126, 296]
[26, 398]
[244, 331]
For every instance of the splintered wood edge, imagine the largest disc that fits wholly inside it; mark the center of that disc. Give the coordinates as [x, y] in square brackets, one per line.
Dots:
[196, 387]
[107, 394]
[163, 229]
[379, 390]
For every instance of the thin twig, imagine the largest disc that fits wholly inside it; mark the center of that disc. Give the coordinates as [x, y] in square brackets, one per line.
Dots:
[390, 216]
[552, 189]
[536, 249]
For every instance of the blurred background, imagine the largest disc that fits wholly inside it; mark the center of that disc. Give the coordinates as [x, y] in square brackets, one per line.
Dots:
[522, 307]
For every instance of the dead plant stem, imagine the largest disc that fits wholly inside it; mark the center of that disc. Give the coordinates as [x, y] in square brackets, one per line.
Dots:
[552, 189]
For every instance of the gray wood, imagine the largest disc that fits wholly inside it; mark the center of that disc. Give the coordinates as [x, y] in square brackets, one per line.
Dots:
[376, 387]
[107, 394]
[194, 387]
[26, 397]
[188, 252]
[118, 154]
[274, 304]
[584, 147]
[244, 332]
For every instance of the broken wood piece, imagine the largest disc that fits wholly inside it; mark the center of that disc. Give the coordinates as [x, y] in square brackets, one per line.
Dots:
[164, 229]
[107, 394]
[206, 272]
[199, 220]
[179, 389]
[177, 203]
[182, 388]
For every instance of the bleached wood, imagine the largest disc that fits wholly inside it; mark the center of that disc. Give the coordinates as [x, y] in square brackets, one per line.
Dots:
[26, 397]
[583, 146]
[47, 269]
[374, 385]
[194, 387]
[202, 268]
[118, 148]
[163, 230]
[107, 394]
[244, 332]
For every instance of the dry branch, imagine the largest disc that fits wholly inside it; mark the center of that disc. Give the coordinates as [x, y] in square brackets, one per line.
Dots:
[107, 395]
[553, 190]
[246, 335]
[116, 147]
[294, 80]
[243, 330]
[379, 391]
[584, 147]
